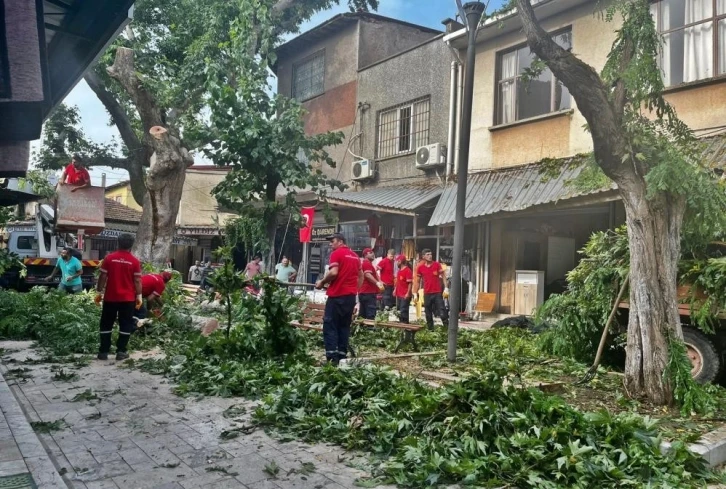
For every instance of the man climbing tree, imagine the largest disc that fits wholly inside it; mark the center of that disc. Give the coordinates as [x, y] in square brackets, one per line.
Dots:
[641, 145]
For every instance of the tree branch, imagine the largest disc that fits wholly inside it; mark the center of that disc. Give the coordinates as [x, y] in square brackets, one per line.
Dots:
[588, 90]
[118, 114]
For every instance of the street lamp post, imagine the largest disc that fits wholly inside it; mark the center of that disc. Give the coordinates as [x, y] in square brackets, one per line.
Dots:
[472, 13]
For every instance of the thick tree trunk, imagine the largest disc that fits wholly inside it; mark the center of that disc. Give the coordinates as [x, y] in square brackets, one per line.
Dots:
[654, 230]
[167, 171]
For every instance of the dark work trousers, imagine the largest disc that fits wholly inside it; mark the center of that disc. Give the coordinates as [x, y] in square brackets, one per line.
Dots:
[389, 302]
[336, 326]
[403, 308]
[434, 304]
[368, 307]
[124, 311]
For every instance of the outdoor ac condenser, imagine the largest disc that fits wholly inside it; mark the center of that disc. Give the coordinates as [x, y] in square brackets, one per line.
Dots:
[431, 156]
[362, 170]
[528, 291]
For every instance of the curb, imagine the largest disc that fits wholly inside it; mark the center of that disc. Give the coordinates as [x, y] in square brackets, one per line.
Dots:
[711, 446]
[35, 456]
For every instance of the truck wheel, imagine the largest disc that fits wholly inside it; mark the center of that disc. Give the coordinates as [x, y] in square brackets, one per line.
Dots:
[703, 355]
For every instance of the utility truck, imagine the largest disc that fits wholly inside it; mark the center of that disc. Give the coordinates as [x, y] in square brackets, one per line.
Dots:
[74, 215]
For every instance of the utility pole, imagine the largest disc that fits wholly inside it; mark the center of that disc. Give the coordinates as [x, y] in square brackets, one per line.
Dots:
[471, 14]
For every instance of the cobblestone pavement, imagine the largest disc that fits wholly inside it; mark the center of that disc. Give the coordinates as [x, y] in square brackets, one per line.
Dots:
[136, 434]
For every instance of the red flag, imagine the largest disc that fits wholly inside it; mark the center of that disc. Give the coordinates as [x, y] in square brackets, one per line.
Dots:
[306, 230]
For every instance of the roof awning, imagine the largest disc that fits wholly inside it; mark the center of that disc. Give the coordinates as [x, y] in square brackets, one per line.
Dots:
[515, 189]
[541, 185]
[404, 199]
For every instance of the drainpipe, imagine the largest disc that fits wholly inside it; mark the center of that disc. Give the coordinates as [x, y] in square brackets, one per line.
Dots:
[459, 97]
[452, 118]
[486, 256]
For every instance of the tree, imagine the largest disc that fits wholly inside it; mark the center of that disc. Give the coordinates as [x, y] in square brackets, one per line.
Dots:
[641, 145]
[153, 83]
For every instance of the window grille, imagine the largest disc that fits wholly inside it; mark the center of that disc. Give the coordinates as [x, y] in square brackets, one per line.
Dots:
[403, 128]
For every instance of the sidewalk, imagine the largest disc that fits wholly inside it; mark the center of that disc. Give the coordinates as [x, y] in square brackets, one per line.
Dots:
[136, 434]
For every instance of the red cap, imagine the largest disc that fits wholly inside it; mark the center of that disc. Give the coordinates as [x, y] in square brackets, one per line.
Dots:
[367, 250]
[401, 258]
[166, 276]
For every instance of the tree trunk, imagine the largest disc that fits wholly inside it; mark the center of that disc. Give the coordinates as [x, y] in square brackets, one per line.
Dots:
[654, 230]
[271, 222]
[167, 170]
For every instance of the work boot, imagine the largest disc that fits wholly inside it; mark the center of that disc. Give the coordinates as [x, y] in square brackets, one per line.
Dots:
[121, 355]
[102, 356]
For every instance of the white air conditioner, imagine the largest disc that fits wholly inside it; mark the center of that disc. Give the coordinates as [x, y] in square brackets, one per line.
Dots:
[431, 156]
[362, 170]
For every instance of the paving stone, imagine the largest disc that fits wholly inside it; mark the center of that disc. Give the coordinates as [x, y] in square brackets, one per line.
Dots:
[104, 471]
[202, 480]
[204, 457]
[12, 467]
[154, 477]
[107, 484]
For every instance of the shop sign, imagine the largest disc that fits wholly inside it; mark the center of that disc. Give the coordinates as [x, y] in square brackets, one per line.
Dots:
[321, 232]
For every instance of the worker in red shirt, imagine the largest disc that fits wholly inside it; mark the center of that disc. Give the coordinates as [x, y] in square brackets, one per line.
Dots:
[345, 278]
[152, 288]
[370, 287]
[385, 271]
[75, 174]
[434, 278]
[119, 286]
[404, 286]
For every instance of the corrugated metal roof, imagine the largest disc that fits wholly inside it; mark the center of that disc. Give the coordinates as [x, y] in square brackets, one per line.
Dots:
[400, 199]
[519, 188]
[511, 189]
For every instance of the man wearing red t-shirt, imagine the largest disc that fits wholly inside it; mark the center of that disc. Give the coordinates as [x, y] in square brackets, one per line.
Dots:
[345, 278]
[75, 174]
[369, 288]
[152, 288]
[385, 270]
[404, 284]
[433, 277]
[121, 279]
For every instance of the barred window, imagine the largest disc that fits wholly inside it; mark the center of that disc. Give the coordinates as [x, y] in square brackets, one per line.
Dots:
[403, 128]
[308, 77]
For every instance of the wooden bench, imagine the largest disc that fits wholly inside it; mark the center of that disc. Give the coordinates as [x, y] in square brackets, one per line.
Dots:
[408, 331]
[312, 319]
[190, 291]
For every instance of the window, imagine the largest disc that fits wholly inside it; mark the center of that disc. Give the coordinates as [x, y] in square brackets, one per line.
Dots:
[403, 128]
[119, 199]
[25, 242]
[308, 77]
[694, 39]
[517, 99]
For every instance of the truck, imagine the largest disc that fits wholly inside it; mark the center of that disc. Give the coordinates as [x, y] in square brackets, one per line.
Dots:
[64, 223]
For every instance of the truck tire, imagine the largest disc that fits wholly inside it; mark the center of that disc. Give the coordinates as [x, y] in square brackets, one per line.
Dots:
[703, 355]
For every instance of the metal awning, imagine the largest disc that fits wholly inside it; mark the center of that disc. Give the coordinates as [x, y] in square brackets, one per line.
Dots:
[520, 188]
[405, 199]
[514, 189]
[13, 192]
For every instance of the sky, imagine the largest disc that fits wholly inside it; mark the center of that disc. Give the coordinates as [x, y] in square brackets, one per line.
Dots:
[95, 119]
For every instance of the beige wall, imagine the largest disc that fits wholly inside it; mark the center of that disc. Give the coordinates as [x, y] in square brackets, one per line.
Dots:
[198, 207]
[123, 196]
[563, 135]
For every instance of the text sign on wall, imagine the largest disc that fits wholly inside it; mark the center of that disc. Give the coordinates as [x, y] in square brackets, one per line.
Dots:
[321, 232]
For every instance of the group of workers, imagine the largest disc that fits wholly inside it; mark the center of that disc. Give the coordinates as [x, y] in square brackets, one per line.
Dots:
[351, 281]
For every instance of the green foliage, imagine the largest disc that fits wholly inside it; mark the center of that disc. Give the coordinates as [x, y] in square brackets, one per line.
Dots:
[48, 426]
[688, 395]
[480, 431]
[228, 282]
[247, 231]
[578, 316]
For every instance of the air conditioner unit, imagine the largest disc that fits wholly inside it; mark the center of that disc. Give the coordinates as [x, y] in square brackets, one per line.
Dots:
[431, 156]
[362, 170]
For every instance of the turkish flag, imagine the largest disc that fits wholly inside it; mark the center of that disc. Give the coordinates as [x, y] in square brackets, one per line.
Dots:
[306, 230]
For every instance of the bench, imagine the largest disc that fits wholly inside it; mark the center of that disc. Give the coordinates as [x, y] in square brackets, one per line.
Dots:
[408, 331]
[312, 320]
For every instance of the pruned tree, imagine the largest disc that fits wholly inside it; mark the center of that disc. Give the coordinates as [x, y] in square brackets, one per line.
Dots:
[153, 82]
[652, 156]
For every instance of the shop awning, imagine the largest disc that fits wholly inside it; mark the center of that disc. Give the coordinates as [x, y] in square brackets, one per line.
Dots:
[403, 199]
[546, 183]
[515, 189]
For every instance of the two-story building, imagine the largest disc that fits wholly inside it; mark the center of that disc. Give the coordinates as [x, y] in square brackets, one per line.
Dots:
[386, 85]
[519, 215]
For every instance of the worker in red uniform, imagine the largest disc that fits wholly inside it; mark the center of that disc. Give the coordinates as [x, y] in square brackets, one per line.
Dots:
[370, 287]
[76, 174]
[345, 277]
[152, 288]
[434, 282]
[404, 285]
[119, 286]
[385, 271]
